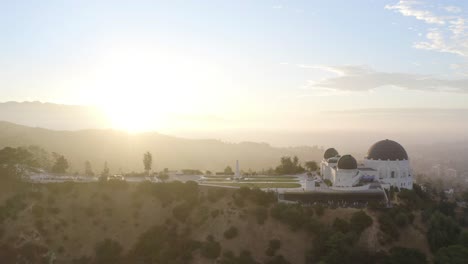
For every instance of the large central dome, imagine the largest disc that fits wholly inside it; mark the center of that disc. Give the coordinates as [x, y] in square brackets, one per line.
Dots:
[387, 150]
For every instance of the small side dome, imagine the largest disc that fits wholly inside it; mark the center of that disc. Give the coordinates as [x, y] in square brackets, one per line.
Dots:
[330, 153]
[347, 162]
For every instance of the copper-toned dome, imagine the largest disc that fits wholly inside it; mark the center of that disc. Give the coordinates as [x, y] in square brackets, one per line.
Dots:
[347, 162]
[330, 153]
[387, 150]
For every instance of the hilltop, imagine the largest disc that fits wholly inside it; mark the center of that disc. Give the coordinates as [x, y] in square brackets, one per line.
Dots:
[180, 223]
[123, 151]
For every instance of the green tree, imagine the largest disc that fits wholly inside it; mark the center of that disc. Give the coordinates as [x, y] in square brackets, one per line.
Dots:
[105, 171]
[163, 176]
[455, 254]
[60, 165]
[442, 232]
[88, 169]
[228, 171]
[16, 156]
[289, 165]
[341, 225]
[210, 249]
[311, 165]
[147, 162]
[108, 252]
[231, 232]
[273, 246]
[360, 221]
[399, 255]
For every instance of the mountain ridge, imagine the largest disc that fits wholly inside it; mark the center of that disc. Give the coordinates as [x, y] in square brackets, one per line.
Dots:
[124, 151]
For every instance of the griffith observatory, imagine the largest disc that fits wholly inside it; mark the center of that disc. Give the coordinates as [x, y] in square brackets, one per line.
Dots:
[386, 163]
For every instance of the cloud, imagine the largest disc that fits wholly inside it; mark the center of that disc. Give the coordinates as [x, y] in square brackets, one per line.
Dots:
[448, 32]
[363, 78]
[452, 9]
[407, 8]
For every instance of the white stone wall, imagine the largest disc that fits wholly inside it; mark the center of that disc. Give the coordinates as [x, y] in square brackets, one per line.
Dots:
[327, 170]
[345, 178]
[394, 172]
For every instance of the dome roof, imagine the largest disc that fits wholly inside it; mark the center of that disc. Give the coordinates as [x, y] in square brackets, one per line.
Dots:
[330, 153]
[347, 162]
[387, 150]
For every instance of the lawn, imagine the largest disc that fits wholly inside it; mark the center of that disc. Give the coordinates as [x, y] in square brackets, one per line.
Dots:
[255, 180]
[262, 185]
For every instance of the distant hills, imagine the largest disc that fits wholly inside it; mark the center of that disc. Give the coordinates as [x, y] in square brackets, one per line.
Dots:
[124, 151]
[53, 116]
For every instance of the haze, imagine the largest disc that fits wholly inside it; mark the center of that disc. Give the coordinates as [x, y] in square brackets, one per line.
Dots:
[276, 71]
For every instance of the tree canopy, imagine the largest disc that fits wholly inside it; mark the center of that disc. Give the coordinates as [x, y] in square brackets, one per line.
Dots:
[289, 165]
[147, 161]
[60, 165]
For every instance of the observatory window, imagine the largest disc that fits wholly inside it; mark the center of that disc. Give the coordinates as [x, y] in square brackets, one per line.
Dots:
[393, 174]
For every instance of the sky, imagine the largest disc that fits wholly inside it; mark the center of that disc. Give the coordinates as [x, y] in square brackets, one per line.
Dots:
[247, 65]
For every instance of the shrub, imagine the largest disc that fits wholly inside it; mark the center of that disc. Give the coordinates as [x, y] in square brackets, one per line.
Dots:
[182, 211]
[215, 194]
[53, 210]
[400, 255]
[360, 221]
[278, 260]
[442, 232]
[231, 233]
[245, 257]
[319, 209]
[215, 213]
[273, 246]
[90, 211]
[108, 252]
[261, 213]
[294, 215]
[341, 225]
[163, 244]
[456, 254]
[37, 211]
[210, 248]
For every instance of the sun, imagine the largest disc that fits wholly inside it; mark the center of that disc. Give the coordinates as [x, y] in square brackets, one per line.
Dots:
[130, 117]
[140, 86]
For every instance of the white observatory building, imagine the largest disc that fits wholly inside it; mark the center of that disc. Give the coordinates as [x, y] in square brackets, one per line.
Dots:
[386, 162]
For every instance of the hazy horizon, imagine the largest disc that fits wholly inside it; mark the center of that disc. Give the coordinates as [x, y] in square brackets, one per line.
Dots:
[395, 68]
[386, 123]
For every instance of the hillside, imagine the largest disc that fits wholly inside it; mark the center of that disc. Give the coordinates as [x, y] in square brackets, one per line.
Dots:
[124, 150]
[68, 221]
[53, 116]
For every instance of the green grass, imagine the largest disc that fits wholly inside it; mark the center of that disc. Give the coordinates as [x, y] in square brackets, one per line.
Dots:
[254, 180]
[256, 177]
[262, 185]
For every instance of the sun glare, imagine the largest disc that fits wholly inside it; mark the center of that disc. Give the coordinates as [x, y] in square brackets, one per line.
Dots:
[134, 87]
[141, 86]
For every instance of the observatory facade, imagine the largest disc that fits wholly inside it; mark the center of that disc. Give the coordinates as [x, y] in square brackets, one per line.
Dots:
[386, 163]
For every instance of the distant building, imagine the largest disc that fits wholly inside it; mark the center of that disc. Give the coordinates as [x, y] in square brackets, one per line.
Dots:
[435, 170]
[451, 173]
[386, 162]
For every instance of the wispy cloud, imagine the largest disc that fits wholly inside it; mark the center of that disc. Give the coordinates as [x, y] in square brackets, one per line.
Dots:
[452, 9]
[409, 8]
[363, 78]
[447, 32]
